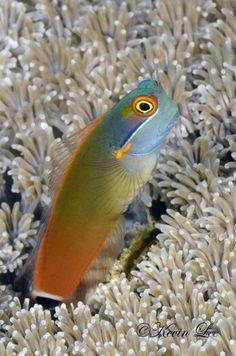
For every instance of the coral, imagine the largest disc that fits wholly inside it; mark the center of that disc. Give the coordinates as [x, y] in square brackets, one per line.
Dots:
[17, 230]
[30, 171]
[62, 64]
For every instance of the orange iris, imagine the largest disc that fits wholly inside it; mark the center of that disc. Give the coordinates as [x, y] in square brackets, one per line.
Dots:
[144, 105]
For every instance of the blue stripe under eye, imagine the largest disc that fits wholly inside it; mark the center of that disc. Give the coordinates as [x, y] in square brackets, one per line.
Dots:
[128, 130]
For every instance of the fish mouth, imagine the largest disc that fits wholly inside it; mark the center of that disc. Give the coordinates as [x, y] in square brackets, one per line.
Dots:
[176, 116]
[174, 121]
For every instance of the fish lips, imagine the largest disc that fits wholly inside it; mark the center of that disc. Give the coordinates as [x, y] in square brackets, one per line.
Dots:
[162, 135]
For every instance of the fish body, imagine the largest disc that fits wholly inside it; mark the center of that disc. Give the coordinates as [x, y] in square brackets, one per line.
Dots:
[103, 175]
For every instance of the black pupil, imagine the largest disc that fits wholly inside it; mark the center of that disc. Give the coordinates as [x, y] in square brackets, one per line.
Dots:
[144, 106]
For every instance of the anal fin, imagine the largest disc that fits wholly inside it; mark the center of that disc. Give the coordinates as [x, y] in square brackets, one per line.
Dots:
[61, 152]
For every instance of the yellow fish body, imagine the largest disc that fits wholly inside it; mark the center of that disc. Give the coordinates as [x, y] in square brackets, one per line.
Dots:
[103, 175]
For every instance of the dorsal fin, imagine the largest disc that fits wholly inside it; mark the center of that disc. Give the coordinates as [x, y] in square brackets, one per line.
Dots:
[61, 152]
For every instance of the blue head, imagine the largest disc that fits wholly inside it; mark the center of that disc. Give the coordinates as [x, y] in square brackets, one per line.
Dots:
[139, 122]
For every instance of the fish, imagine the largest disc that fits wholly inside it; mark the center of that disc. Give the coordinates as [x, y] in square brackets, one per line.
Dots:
[105, 170]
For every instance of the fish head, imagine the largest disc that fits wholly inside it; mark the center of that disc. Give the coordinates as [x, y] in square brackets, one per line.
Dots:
[142, 119]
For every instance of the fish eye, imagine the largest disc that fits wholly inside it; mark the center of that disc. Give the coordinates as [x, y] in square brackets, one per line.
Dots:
[144, 105]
